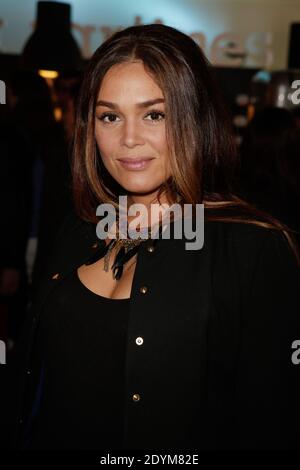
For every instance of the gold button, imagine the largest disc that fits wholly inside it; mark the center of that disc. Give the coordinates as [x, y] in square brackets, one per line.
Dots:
[150, 249]
[55, 276]
[95, 245]
[139, 341]
[143, 289]
[136, 397]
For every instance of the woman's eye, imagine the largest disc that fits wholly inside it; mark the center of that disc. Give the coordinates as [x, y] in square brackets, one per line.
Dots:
[155, 116]
[108, 118]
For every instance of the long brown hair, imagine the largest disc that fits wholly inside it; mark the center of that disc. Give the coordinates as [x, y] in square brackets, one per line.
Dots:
[202, 149]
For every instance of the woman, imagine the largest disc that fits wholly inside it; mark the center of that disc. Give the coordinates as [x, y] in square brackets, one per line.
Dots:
[150, 345]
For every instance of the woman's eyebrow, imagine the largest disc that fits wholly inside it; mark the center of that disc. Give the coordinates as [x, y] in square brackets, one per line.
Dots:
[144, 104]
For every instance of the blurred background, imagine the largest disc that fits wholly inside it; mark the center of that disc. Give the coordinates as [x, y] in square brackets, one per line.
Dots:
[254, 50]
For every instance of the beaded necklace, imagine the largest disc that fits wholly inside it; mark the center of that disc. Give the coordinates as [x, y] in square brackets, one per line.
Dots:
[126, 248]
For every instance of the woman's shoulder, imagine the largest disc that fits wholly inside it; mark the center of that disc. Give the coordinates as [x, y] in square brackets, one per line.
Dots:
[254, 265]
[245, 232]
[72, 226]
[74, 238]
[69, 223]
[247, 242]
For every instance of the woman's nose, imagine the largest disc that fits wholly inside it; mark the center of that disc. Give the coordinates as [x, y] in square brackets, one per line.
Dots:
[131, 134]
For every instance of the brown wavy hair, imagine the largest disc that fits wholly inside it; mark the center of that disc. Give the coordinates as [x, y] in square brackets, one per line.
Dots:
[202, 149]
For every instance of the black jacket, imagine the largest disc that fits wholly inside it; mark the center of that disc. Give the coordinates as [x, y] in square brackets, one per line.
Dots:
[215, 370]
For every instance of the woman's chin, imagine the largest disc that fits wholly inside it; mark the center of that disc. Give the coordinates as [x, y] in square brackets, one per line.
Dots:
[140, 189]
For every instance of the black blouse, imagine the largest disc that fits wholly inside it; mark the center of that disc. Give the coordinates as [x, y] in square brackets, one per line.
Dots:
[81, 353]
[215, 369]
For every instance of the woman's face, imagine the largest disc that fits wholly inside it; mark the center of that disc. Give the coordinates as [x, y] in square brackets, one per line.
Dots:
[130, 125]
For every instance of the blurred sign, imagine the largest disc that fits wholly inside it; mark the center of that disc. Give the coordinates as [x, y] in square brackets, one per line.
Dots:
[248, 33]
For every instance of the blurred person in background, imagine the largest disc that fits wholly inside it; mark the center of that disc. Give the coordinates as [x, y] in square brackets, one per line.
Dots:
[270, 165]
[296, 113]
[56, 200]
[16, 208]
[34, 187]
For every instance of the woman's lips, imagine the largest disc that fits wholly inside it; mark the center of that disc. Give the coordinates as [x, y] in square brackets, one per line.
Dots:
[136, 164]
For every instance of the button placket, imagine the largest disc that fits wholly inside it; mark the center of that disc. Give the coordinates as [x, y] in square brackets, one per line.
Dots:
[136, 385]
